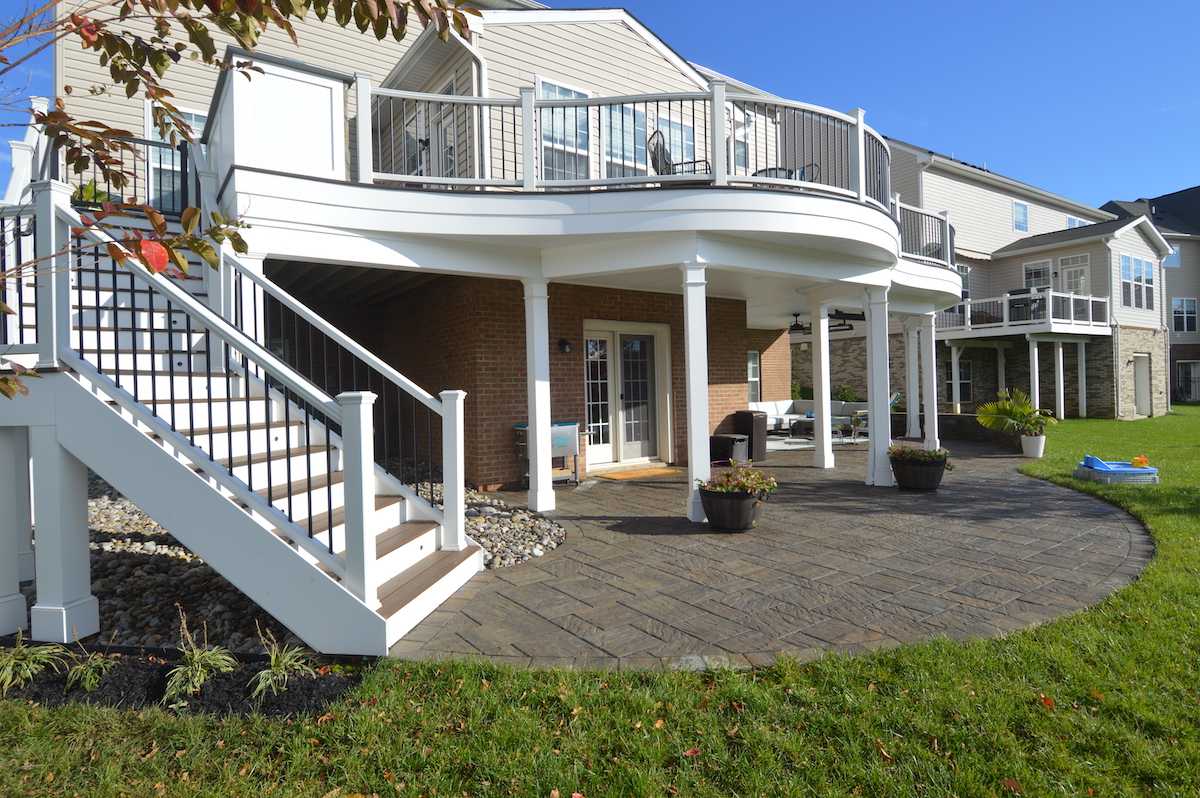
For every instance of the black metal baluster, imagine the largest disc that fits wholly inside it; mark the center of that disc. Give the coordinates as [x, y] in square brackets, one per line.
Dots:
[228, 408]
[308, 465]
[187, 319]
[212, 438]
[287, 426]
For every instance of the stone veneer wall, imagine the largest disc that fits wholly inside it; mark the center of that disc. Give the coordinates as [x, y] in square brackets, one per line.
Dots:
[848, 364]
[1138, 340]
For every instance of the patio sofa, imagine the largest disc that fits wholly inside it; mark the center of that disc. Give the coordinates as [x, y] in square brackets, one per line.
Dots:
[781, 414]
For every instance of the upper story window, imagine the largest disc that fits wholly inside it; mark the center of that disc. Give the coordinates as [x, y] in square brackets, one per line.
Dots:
[1074, 272]
[566, 133]
[1072, 222]
[1037, 275]
[1137, 283]
[624, 133]
[753, 376]
[1020, 217]
[1183, 311]
[1173, 260]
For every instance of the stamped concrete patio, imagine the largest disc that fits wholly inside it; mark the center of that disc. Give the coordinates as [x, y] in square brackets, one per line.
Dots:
[833, 565]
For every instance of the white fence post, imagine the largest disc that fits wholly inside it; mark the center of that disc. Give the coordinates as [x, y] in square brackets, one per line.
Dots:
[858, 161]
[53, 276]
[717, 135]
[366, 156]
[529, 148]
[454, 472]
[358, 455]
[947, 255]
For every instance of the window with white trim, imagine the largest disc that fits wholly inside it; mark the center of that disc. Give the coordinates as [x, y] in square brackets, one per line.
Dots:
[1137, 282]
[1020, 217]
[743, 125]
[965, 390]
[1183, 312]
[1072, 223]
[753, 376]
[681, 139]
[566, 133]
[1037, 274]
[164, 182]
[1073, 273]
[1173, 259]
[624, 133]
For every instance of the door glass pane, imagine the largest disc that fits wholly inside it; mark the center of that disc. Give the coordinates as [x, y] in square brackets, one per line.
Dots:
[637, 396]
[596, 388]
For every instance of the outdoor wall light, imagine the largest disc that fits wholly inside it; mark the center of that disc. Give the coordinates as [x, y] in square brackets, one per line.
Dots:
[564, 346]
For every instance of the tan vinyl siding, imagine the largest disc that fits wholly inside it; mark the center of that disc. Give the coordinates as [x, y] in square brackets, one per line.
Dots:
[983, 215]
[1184, 282]
[1008, 274]
[1134, 243]
[906, 177]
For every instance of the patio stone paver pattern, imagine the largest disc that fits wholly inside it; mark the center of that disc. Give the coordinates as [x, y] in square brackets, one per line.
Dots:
[832, 565]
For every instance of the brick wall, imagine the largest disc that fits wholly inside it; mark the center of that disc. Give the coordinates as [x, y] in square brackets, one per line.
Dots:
[469, 333]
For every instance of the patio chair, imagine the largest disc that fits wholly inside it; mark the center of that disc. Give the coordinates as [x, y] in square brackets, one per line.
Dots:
[660, 159]
[809, 173]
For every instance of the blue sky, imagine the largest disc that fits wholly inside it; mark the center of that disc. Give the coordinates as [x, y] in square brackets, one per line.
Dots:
[1094, 100]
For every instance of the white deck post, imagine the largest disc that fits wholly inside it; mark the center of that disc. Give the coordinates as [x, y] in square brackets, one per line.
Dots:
[948, 256]
[66, 610]
[717, 137]
[529, 143]
[1060, 392]
[53, 275]
[537, 371]
[695, 347]
[858, 161]
[955, 377]
[1035, 379]
[912, 382]
[365, 143]
[878, 385]
[14, 526]
[454, 471]
[929, 380]
[358, 454]
[1081, 357]
[1001, 370]
[822, 422]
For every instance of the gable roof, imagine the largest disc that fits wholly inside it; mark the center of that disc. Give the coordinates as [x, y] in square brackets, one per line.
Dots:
[1088, 232]
[983, 174]
[1177, 213]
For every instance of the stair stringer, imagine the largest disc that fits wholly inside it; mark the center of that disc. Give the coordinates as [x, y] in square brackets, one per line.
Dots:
[315, 607]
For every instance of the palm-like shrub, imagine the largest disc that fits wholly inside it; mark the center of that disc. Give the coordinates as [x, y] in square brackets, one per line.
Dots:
[1013, 412]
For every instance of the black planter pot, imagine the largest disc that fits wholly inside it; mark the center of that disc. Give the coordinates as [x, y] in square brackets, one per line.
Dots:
[918, 475]
[732, 512]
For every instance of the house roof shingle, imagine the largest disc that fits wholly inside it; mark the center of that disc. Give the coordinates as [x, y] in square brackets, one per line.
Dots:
[1175, 213]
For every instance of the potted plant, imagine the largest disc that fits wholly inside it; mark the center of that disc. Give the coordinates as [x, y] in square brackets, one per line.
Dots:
[919, 469]
[733, 499]
[1013, 412]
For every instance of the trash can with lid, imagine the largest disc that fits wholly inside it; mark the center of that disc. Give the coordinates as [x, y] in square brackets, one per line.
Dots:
[753, 424]
[725, 448]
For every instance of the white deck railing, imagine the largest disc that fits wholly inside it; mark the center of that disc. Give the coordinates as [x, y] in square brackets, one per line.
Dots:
[925, 236]
[533, 143]
[1047, 308]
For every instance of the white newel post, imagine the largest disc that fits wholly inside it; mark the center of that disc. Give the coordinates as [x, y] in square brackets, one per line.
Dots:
[537, 371]
[912, 382]
[1081, 357]
[53, 292]
[529, 145]
[66, 610]
[1060, 401]
[929, 380]
[695, 347]
[878, 386]
[947, 251]
[454, 471]
[858, 162]
[358, 455]
[955, 379]
[1035, 379]
[365, 144]
[15, 526]
[718, 147]
[822, 421]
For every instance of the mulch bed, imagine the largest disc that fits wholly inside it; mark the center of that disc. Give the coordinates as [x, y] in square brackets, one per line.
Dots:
[138, 682]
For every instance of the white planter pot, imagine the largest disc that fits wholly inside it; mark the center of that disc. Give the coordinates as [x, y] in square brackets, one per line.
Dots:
[1033, 445]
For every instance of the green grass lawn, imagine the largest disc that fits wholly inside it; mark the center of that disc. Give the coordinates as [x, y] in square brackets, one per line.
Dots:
[1106, 702]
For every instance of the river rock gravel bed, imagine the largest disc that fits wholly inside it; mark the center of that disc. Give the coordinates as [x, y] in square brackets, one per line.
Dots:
[140, 574]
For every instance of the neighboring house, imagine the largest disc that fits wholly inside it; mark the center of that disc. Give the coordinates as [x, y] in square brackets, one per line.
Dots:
[1177, 217]
[1071, 289]
[561, 217]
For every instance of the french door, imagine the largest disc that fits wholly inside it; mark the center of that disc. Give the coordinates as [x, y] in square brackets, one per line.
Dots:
[621, 396]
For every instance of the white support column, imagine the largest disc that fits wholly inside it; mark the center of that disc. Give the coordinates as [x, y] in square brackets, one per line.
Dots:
[929, 380]
[955, 379]
[1081, 357]
[529, 145]
[537, 371]
[1035, 379]
[695, 348]
[1001, 369]
[1060, 388]
[53, 274]
[365, 142]
[878, 386]
[14, 526]
[454, 471]
[358, 456]
[822, 421]
[718, 145]
[66, 610]
[912, 381]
